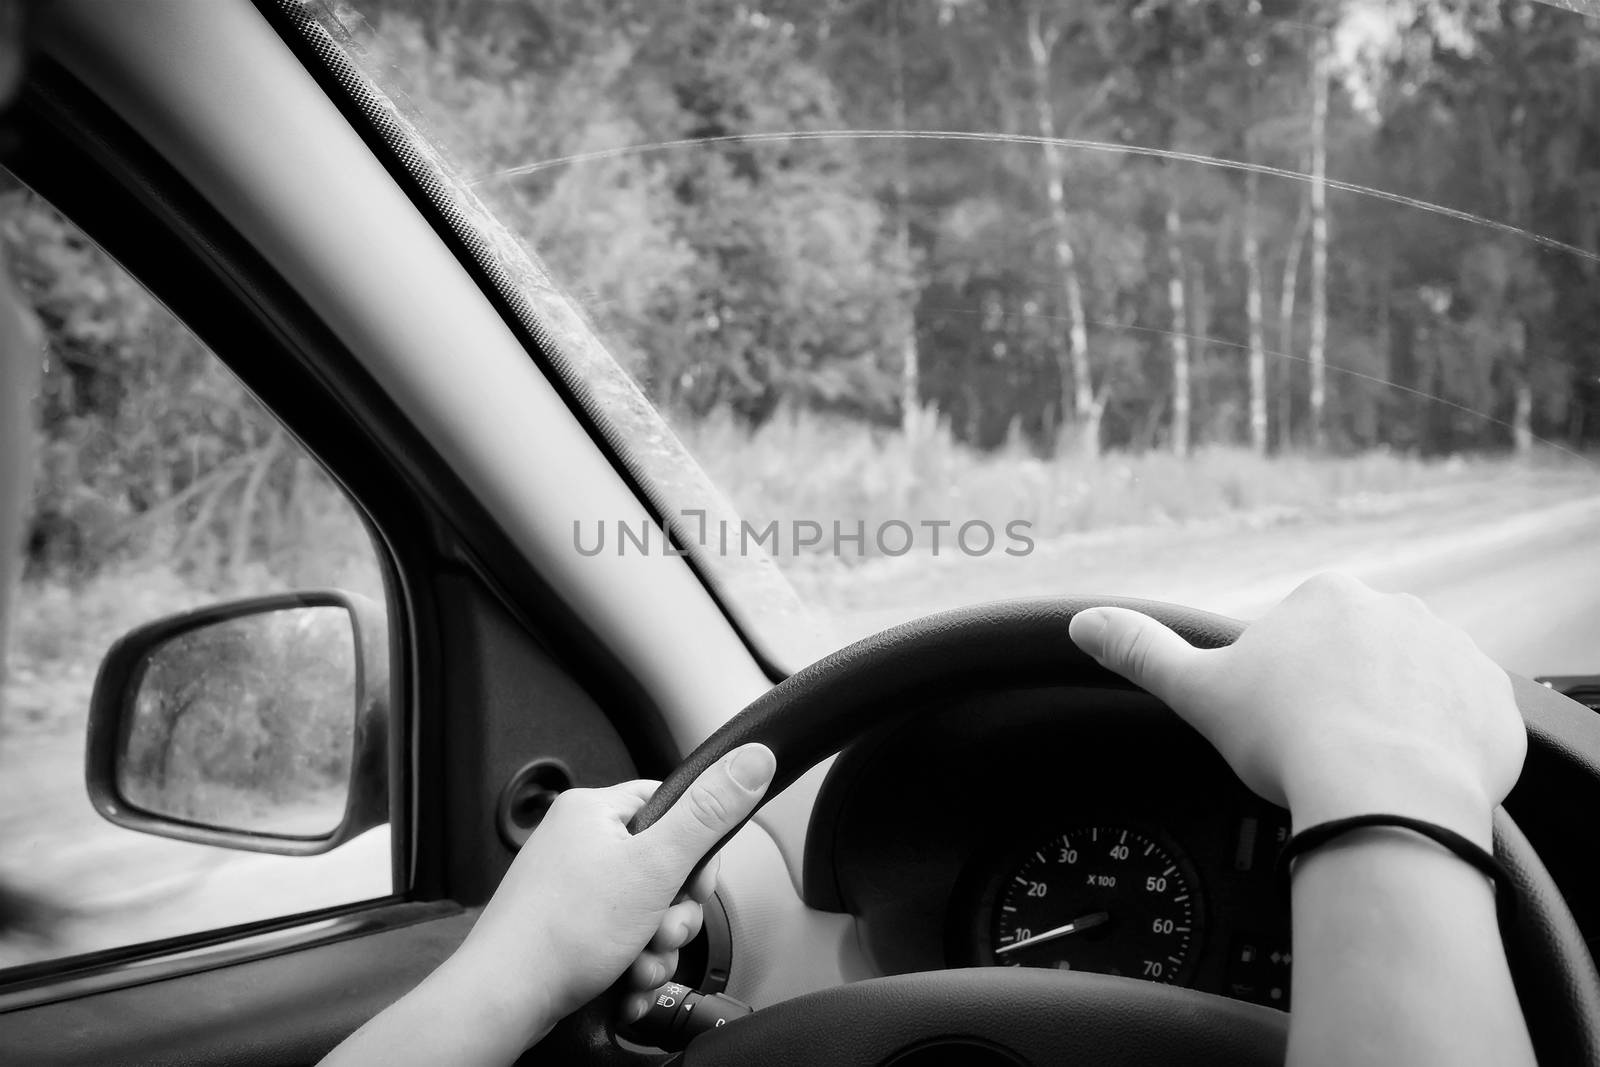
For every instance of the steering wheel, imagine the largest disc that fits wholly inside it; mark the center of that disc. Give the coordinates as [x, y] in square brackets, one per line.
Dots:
[1006, 1016]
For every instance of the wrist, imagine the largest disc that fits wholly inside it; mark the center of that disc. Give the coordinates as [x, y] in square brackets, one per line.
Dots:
[509, 1006]
[1397, 782]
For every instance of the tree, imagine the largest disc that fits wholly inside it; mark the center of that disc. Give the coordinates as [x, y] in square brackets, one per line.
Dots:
[1294, 252]
[1317, 350]
[910, 372]
[1492, 111]
[713, 290]
[1043, 35]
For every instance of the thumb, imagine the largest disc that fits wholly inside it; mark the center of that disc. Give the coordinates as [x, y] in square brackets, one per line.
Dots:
[1137, 647]
[719, 800]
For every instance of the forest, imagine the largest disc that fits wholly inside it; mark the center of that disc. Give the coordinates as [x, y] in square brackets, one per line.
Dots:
[1160, 224]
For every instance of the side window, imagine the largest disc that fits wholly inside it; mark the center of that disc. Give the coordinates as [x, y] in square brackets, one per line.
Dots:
[162, 486]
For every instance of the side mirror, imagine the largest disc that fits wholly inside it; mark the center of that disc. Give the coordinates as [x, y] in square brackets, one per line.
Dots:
[259, 724]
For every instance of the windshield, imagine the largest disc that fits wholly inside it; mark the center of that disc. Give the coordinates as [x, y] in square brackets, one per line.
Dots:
[955, 300]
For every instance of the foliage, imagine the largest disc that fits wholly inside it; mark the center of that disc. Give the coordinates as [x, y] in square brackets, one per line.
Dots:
[746, 276]
[680, 171]
[242, 722]
[725, 276]
[151, 449]
[875, 474]
[162, 485]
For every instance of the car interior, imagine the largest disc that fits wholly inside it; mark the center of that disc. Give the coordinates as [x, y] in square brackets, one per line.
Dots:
[228, 157]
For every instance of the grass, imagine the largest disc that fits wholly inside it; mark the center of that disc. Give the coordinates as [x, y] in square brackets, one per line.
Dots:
[64, 625]
[807, 466]
[62, 629]
[797, 466]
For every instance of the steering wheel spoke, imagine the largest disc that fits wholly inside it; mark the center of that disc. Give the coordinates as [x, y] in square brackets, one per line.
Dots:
[986, 1016]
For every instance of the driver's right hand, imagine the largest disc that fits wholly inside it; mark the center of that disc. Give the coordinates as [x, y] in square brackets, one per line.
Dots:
[1339, 701]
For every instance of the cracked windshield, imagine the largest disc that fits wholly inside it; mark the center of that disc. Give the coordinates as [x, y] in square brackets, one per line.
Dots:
[955, 300]
[897, 306]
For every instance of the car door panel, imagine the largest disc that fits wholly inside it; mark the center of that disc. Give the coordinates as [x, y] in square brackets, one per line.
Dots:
[504, 704]
[288, 1008]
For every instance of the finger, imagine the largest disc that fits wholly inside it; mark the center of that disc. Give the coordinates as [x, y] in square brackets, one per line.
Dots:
[625, 798]
[643, 788]
[634, 1007]
[1137, 647]
[677, 927]
[704, 881]
[717, 802]
[651, 970]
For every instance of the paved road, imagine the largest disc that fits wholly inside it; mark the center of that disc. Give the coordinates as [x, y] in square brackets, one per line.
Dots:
[1533, 605]
[1518, 568]
[119, 887]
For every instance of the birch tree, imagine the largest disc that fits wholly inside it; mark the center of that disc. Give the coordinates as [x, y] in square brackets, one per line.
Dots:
[1043, 34]
[1317, 348]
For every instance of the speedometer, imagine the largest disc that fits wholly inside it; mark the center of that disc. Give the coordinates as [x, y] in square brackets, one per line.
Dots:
[1107, 899]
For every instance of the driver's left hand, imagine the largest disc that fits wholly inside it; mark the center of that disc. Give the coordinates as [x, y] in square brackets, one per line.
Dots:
[586, 902]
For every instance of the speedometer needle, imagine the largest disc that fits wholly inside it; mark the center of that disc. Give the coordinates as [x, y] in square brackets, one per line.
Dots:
[1082, 922]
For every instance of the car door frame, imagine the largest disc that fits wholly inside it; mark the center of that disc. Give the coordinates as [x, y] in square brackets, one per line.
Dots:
[449, 572]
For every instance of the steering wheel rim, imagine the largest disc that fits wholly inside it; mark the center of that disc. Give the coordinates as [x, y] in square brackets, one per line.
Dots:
[817, 711]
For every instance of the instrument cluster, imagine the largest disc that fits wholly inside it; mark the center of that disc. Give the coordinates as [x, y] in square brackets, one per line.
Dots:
[1074, 830]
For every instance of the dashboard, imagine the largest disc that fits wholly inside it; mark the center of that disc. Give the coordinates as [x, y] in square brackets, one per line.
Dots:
[1076, 829]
